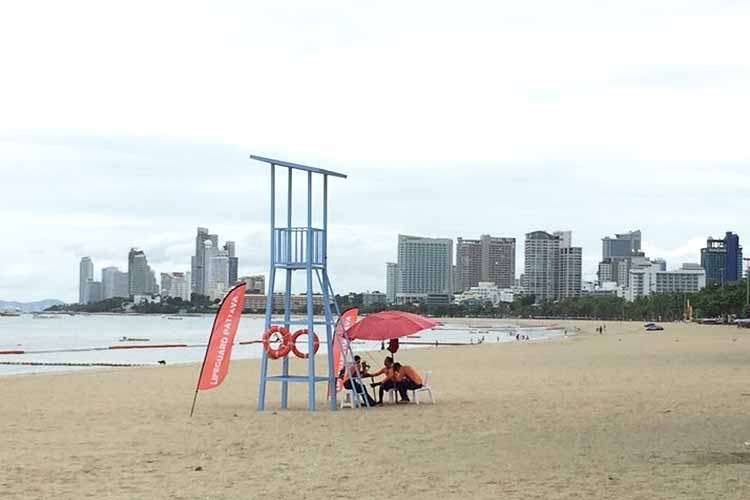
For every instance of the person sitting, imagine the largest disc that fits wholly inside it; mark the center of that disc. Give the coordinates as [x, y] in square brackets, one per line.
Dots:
[388, 382]
[352, 384]
[407, 379]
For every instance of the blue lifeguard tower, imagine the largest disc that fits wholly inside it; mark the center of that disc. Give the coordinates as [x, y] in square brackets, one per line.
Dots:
[302, 249]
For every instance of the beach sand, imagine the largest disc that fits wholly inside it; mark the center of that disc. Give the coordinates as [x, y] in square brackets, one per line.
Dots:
[621, 415]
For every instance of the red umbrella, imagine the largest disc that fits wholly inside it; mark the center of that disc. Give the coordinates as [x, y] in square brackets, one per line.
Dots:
[389, 325]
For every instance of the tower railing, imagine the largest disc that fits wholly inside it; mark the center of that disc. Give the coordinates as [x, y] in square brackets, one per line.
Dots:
[290, 246]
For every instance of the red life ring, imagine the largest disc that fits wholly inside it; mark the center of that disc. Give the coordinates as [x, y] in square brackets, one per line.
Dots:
[283, 349]
[297, 352]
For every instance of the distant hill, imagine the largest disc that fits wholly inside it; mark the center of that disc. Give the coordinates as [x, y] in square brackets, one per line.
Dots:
[28, 307]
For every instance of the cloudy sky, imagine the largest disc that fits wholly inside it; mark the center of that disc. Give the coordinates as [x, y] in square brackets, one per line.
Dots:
[130, 124]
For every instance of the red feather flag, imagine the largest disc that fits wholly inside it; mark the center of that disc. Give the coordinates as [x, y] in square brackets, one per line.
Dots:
[219, 351]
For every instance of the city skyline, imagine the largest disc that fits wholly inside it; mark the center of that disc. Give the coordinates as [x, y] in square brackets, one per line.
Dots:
[587, 128]
[591, 276]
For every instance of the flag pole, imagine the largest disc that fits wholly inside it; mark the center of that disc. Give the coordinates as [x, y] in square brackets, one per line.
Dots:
[195, 398]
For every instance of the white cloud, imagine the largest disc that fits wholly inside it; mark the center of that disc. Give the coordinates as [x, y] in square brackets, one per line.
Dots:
[130, 125]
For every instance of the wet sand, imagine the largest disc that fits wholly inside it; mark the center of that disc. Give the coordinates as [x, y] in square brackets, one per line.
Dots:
[627, 414]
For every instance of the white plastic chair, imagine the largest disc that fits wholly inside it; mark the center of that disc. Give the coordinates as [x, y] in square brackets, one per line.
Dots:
[391, 395]
[426, 387]
[347, 399]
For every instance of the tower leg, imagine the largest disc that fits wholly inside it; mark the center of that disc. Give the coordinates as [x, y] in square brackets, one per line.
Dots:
[310, 311]
[285, 361]
[264, 357]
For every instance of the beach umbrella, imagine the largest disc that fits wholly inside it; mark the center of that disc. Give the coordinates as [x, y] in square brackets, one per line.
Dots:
[388, 325]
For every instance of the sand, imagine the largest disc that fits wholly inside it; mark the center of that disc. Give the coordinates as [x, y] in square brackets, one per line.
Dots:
[621, 415]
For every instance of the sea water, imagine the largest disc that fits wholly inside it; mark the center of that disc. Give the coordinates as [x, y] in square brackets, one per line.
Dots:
[70, 336]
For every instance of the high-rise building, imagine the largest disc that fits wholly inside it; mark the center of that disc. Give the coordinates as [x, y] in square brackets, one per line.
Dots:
[216, 272]
[498, 260]
[198, 262]
[617, 254]
[622, 245]
[229, 247]
[85, 273]
[425, 267]
[176, 285]
[541, 265]
[553, 267]
[571, 276]
[488, 259]
[570, 279]
[722, 259]
[114, 283]
[468, 264]
[141, 278]
[204, 281]
[93, 291]
[391, 282]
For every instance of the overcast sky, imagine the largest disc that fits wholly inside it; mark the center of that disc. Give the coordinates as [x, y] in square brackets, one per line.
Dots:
[130, 124]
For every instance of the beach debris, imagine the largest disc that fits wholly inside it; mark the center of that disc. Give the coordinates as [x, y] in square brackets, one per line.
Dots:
[162, 362]
[667, 411]
[198, 468]
[747, 443]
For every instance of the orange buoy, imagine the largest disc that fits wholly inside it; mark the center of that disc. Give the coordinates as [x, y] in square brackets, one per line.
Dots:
[297, 352]
[284, 347]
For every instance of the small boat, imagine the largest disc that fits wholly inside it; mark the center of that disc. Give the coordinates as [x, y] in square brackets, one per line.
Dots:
[134, 339]
[45, 316]
[176, 318]
[10, 312]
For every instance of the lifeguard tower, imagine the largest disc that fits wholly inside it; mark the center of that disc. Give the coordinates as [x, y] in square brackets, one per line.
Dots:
[301, 249]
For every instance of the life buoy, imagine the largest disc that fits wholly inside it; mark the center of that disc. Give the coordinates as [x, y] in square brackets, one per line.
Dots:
[283, 349]
[297, 352]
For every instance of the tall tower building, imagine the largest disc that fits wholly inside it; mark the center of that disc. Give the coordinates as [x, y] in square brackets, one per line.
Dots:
[114, 283]
[571, 263]
[488, 259]
[141, 278]
[617, 256]
[198, 262]
[542, 265]
[425, 267]
[391, 282]
[468, 264]
[233, 262]
[622, 245]
[93, 291]
[498, 260]
[85, 273]
[722, 259]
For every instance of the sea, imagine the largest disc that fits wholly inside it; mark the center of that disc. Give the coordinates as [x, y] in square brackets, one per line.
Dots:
[66, 343]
